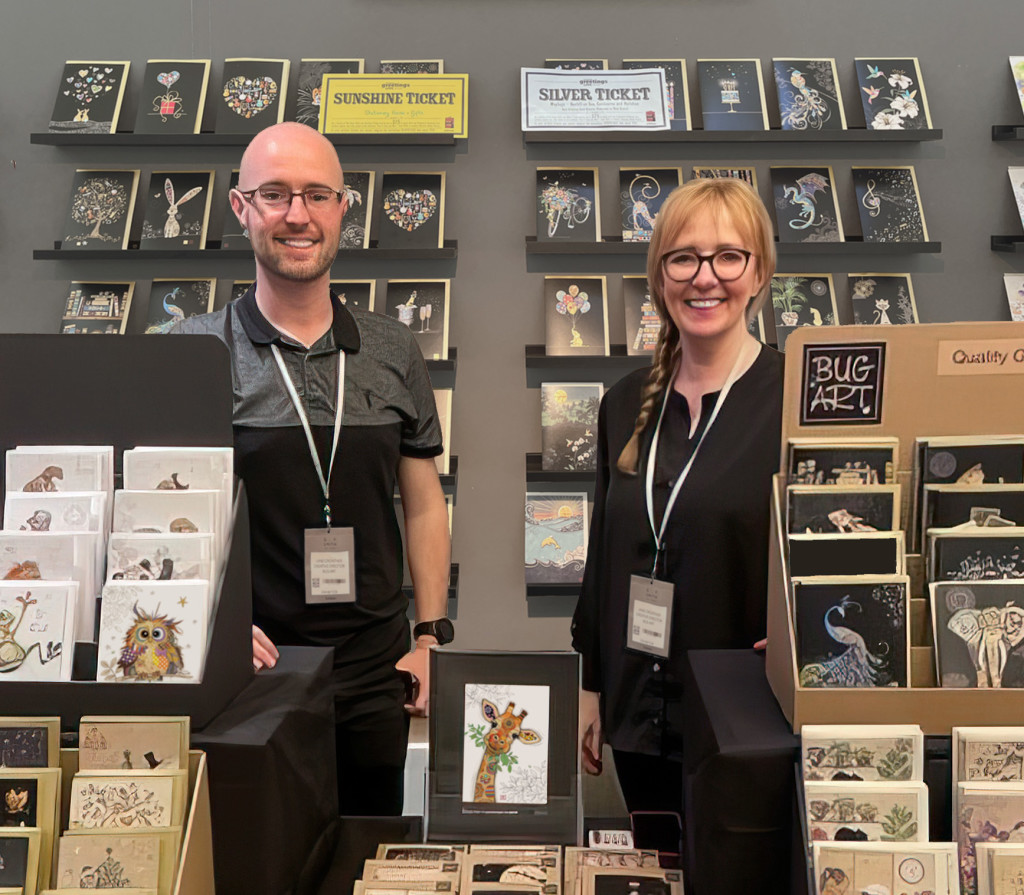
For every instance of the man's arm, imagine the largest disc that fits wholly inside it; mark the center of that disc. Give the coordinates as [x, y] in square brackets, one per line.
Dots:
[428, 546]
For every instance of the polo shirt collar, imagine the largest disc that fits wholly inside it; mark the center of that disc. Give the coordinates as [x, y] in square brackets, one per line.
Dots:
[262, 332]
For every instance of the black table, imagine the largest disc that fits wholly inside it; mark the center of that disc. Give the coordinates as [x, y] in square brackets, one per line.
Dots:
[273, 790]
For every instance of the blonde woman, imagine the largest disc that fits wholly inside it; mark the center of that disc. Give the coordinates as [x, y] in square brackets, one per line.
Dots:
[686, 451]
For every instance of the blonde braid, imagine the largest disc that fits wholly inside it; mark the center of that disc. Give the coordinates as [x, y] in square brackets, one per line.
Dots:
[662, 369]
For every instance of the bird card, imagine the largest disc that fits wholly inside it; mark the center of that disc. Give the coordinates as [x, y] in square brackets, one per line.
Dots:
[153, 631]
[892, 94]
[173, 96]
[411, 210]
[809, 96]
[29, 742]
[178, 512]
[876, 867]
[251, 95]
[423, 307]
[100, 210]
[127, 800]
[160, 557]
[841, 810]
[177, 210]
[822, 508]
[97, 307]
[92, 859]
[20, 854]
[889, 204]
[89, 97]
[568, 425]
[133, 743]
[887, 752]
[806, 208]
[171, 301]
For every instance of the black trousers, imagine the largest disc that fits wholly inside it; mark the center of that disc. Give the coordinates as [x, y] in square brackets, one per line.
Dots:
[652, 783]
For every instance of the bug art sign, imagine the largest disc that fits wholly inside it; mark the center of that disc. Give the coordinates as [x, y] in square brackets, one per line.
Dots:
[842, 384]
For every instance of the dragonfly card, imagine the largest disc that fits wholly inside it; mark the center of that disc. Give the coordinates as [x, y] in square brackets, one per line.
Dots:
[171, 301]
[309, 82]
[889, 204]
[355, 225]
[802, 300]
[852, 632]
[809, 97]
[568, 425]
[882, 299]
[103, 305]
[177, 210]
[173, 96]
[732, 95]
[422, 306]
[711, 172]
[37, 630]
[556, 537]
[127, 800]
[820, 508]
[138, 742]
[806, 209]
[676, 91]
[1014, 284]
[29, 742]
[642, 321]
[411, 210]
[837, 810]
[892, 94]
[251, 95]
[355, 293]
[153, 631]
[890, 752]
[89, 98]
[180, 512]
[507, 735]
[568, 205]
[641, 194]
[840, 462]
[576, 316]
[100, 211]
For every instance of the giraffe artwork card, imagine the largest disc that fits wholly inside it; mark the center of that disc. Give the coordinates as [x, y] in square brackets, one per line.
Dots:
[163, 556]
[127, 800]
[139, 742]
[171, 301]
[100, 210]
[310, 81]
[412, 66]
[890, 752]
[233, 235]
[868, 811]
[576, 316]
[177, 210]
[89, 97]
[90, 859]
[820, 508]
[568, 425]
[642, 321]
[641, 193]
[978, 627]
[505, 751]
[153, 631]
[82, 511]
[809, 97]
[806, 208]
[568, 205]
[889, 204]
[251, 95]
[975, 554]
[355, 225]
[423, 307]
[882, 299]
[411, 210]
[843, 463]
[876, 867]
[556, 537]
[1014, 285]
[853, 631]
[1017, 185]
[178, 512]
[1017, 71]
[802, 299]
[732, 95]
[710, 172]
[355, 293]
[19, 858]
[97, 307]
[37, 629]
[29, 742]
[173, 96]
[892, 94]
[986, 812]
[676, 90]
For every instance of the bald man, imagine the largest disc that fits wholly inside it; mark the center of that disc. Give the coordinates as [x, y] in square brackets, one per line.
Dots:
[326, 548]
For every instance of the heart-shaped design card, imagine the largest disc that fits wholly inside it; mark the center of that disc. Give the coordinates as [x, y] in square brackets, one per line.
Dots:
[248, 97]
[168, 78]
[410, 209]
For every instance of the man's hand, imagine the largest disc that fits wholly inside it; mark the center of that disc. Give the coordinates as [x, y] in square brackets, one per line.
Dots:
[417, 663]
[264, 653]
[591, 737]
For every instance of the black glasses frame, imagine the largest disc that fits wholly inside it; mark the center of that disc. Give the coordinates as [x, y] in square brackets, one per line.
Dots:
[700, 263]
[249, 195]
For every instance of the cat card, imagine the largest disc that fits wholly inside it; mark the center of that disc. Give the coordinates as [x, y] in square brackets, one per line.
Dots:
[173, 96]
[845, 463]
[100, 210]
[886, 752]
[177, 210]
[89, 97]
[838, 810]
[822, 508]
[882, 299]
[153, 631]
[29, 742]
[126, 800]
[133, 743]
[160, 557]
[97, 860]
[641, 194]
[180, 512]
[38, 629]
[81, 511]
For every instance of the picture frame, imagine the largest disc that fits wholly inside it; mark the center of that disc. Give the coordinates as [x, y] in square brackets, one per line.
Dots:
[809, 95]
[830, 509]
[889, 204]
[173, 96]
[882, 752]
[568, 205]
[460, 677]
[838, 810]
[424, 306]
[805, 203]
[576, 316]
[252, 95]
[882, 299]
[676, 88]
[89, 97]
[171, 301]
[641, 194]
[100, 209]
[97, 306]
[176, 212]
[802, 299]
[411, 210]
[727, 83]
[842, 462]
[896, 84]
[642, 321]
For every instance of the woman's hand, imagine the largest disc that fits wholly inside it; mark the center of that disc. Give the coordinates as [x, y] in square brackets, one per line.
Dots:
[591, 738]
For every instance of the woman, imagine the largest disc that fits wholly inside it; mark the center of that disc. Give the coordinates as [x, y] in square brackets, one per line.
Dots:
[718, 394]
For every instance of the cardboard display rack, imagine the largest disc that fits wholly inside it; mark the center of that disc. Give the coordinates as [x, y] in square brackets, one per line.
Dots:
[938, 379]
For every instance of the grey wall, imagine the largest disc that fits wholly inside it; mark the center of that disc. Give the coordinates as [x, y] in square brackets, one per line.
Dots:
[496, 288]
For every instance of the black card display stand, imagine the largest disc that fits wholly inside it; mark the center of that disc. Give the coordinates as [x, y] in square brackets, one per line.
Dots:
[129, 391]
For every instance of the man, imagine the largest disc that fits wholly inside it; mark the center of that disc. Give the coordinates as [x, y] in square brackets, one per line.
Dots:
[316, 516]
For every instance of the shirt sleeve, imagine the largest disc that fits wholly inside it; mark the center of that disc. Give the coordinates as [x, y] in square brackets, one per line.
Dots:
[421, 433]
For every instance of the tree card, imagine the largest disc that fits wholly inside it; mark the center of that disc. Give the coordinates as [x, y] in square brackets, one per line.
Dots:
[100, 211]
[568, 425]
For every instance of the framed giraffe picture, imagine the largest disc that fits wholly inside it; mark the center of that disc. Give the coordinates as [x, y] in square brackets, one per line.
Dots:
[503, 744]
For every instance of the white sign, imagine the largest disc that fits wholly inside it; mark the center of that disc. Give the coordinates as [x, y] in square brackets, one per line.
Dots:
[634, 100]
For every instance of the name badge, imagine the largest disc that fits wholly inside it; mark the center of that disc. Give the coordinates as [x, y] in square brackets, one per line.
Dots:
[329, 562]
[650, 615]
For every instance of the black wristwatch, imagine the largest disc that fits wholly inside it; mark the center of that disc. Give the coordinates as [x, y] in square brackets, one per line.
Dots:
[440, 629]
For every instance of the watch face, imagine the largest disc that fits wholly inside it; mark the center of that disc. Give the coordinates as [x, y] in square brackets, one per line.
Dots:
[444, 630]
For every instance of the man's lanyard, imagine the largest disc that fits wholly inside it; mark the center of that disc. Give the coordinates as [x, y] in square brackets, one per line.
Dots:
[659, 534]
[338, 413]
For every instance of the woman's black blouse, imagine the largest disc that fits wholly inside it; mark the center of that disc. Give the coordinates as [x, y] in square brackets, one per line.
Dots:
[716, 547]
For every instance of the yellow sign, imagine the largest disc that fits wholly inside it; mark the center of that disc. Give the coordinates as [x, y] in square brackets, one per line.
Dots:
[389, 104]
[981, 357]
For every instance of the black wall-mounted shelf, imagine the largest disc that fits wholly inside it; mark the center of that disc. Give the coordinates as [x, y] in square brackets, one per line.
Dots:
[1002, 132]
[537, 356]
[553, 590]
[444, 366]
[536, 473]
[1007, 243]
[850, 135]
[240, 140]
[611, 245]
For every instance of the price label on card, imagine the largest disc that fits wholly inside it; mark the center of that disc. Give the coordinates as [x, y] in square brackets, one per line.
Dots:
[611, 839]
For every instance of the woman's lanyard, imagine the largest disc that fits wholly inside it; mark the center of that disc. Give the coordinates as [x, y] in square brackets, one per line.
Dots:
[659, 533]
[300, 410]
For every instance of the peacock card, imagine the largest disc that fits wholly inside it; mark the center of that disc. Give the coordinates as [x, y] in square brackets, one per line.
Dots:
[153, 631]
[37, 629]
[173, 96]
[505, 748]
[809, 96]
[177, 210]
[171, 301]
[89, 97]
[251, 95]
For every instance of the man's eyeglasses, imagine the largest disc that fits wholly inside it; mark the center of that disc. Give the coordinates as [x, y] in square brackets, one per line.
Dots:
[274, 197]
[726, 264]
